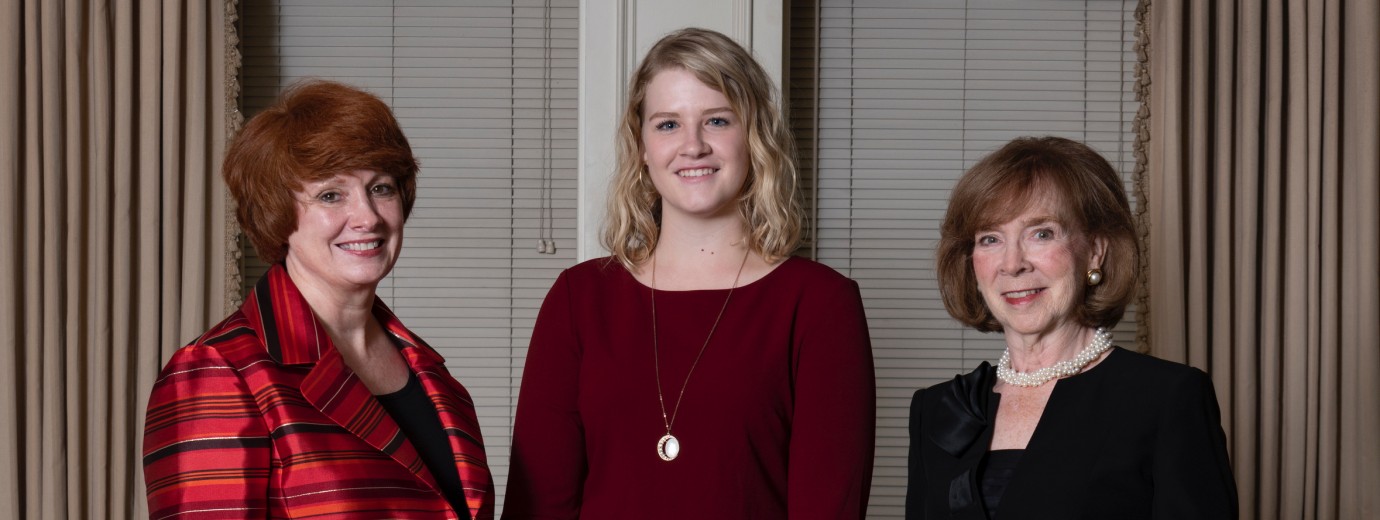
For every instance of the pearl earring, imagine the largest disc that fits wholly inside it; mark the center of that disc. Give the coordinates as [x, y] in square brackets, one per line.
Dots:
[1094, 276]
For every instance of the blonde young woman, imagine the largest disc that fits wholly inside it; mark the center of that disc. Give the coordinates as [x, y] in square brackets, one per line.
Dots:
[700, 371]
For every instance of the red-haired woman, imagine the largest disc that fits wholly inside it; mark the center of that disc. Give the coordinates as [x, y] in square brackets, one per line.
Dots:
[313, 399]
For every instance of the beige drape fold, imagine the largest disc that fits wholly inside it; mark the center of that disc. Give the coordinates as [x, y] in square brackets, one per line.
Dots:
[112, 123]
[1264, 238]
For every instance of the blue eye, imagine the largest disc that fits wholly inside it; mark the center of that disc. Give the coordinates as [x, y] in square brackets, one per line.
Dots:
[718, 121]
[1044, 234]
[986, 240]
[667, 125]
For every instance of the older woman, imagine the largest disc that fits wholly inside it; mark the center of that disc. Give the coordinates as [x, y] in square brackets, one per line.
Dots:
[701, 371]
[1038, 244]
[313, 400]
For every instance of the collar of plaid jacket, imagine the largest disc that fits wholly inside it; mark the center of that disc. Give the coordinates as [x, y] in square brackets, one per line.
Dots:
[293, 336]
[290, 331]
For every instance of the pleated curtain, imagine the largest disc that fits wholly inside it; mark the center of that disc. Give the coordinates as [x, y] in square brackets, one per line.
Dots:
[1264, 237]
[113, 117]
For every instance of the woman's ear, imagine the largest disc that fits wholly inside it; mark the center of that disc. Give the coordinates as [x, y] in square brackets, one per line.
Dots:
[1097, 253]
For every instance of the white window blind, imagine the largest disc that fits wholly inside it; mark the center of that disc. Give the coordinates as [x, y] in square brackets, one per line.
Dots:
[892, 101]
[485, 91]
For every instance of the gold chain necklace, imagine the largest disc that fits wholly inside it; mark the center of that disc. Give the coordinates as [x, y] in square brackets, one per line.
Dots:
[668, 447]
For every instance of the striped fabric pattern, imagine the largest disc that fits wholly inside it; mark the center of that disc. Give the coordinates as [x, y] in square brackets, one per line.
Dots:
[260, 418]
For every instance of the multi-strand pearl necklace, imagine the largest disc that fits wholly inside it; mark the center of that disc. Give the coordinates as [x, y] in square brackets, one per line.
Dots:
[1102, 340]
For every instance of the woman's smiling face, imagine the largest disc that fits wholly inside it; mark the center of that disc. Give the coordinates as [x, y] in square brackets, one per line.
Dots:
[1029, 271]
[349, 231]
[694, 146]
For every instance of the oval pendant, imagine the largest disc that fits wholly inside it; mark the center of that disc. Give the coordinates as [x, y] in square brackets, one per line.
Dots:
[668, 447]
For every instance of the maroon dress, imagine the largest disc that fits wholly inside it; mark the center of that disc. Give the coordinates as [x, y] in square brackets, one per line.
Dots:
[777, 420]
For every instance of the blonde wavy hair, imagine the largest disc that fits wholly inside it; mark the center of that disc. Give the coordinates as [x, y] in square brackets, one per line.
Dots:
[770, 202]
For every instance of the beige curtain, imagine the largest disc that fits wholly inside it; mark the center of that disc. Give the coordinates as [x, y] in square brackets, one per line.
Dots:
[112, 122]
[1264, 237]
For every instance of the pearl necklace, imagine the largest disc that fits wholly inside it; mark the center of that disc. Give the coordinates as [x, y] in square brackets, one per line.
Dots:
[1102, 340]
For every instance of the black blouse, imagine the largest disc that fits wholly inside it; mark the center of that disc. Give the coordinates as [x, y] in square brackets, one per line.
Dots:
[994, 473]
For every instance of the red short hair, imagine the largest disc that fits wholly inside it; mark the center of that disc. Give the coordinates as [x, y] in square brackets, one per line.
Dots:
[314, 130]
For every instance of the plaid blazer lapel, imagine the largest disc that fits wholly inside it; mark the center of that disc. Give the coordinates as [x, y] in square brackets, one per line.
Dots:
[334, 389]
[293, 336]
[456, 410]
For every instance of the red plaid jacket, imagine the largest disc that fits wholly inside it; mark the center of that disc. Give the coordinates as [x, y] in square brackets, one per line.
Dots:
[260, 418]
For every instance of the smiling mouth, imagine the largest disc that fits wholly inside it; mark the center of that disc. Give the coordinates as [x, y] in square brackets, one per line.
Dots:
[697, 172]
[1022, 294]
[362, 246]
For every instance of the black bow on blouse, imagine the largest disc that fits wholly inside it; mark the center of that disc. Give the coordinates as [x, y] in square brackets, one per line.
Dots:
[962, 412]
[961, 418]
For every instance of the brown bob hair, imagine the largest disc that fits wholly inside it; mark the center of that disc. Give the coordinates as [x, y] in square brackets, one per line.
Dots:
[314, 130]
[1092, 204]
[770, 202]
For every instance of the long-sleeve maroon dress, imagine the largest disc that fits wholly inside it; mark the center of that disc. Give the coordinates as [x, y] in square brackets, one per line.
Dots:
[777, 420]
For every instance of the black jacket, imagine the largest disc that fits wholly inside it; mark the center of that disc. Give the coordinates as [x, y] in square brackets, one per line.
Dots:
[1133, 437]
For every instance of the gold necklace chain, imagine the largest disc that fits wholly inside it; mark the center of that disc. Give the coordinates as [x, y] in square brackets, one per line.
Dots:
[668, 447]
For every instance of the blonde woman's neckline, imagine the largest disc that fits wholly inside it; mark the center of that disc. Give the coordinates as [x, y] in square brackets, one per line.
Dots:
[772, 270]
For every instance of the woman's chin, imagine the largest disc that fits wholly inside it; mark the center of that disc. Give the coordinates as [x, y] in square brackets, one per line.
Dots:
[1026, 326]
[365, 280]
[351, 280]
